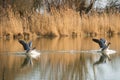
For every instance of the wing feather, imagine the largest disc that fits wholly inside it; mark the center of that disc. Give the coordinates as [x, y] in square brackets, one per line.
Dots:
[30, 44]
[24, 44]
[101, 42]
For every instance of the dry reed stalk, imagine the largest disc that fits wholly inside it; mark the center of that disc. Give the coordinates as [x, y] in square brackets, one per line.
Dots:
[10, 24]
[101, 23]
[57, 23]
[62, 22]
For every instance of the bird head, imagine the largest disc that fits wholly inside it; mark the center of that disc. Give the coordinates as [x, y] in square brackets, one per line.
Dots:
[109, 43]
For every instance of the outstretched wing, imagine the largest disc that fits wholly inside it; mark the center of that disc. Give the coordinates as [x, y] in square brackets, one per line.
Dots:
[101, 42]
[24, 44]
[30, 44]
[96, 40]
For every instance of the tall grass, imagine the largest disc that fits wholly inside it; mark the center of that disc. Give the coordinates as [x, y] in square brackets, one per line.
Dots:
[10, 24]
[102, 23]
[63, 22]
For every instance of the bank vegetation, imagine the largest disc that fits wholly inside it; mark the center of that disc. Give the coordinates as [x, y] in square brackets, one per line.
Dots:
[24, 21]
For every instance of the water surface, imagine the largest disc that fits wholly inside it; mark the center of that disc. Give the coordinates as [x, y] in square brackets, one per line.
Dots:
[61, 59]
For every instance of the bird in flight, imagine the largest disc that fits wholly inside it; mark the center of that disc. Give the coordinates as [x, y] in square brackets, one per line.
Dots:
[102, 43]
[26, 46]
[30, 52]
[104, 47]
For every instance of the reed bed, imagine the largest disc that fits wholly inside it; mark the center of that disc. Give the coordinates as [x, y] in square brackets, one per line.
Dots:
[63, 22]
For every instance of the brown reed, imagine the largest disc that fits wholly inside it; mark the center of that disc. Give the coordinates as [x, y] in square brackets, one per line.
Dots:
[62, 22]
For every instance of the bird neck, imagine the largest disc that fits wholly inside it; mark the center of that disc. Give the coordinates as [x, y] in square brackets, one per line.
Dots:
[105, 48]
[108, 45]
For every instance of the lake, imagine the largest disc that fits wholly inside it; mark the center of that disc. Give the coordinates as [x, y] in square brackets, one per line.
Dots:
[65, 58]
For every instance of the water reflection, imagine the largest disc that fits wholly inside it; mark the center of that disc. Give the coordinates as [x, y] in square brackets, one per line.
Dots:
[104, 57]
[58, 65]
[66, 43]
[27, 61]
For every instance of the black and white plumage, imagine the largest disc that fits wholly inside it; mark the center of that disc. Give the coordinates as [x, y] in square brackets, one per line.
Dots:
[29, 50]
[102, 43]
[26, 46]
[104, 47]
